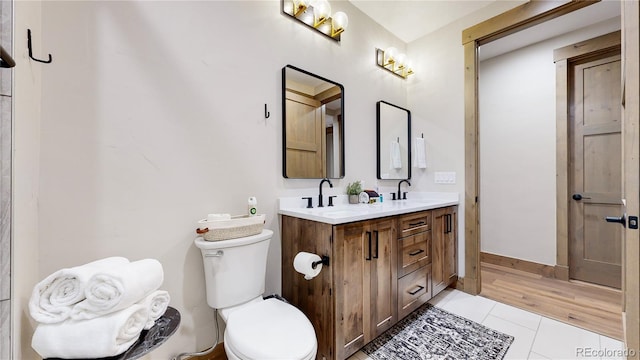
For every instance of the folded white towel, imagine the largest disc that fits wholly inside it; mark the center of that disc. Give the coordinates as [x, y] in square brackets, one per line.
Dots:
[157, 303]
[115, 289]
[53, 298]
[395, 155]
[103, 336]
[420, 154]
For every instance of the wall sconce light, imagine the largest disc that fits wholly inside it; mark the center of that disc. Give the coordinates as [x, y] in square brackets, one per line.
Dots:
[316, 14]
[393, 62]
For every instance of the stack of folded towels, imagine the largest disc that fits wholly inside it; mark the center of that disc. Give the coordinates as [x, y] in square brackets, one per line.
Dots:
[97, 309]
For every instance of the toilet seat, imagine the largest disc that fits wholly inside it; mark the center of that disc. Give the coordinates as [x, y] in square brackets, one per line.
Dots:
[270, 329]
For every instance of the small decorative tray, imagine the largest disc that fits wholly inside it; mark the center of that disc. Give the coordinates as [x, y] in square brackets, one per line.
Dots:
[237, 226]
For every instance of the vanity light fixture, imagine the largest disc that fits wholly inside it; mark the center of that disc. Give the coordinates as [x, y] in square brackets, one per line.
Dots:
[316, 14]
[393, 62]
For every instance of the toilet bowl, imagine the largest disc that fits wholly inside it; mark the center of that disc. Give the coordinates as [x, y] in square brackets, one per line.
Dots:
[269, 329]
[256, 328]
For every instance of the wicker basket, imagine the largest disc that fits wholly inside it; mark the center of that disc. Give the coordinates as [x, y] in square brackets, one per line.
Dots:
[236, 227]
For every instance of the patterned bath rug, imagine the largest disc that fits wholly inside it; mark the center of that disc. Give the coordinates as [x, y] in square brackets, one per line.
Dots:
[432, 333]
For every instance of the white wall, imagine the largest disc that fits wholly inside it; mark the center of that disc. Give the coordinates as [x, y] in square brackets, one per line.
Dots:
[436, 101]
[518, 148]
[152, 117]
[26, 170]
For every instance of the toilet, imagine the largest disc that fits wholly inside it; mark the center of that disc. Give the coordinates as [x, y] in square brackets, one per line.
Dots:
[256, 328]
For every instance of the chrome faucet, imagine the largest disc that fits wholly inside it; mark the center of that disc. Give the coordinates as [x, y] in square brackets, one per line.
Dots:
[320, 188]
[400, 193]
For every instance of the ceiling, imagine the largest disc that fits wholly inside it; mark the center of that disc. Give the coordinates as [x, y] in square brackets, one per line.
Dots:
[412, 19]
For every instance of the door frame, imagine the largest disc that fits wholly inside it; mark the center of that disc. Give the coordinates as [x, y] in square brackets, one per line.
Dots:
[519, 18]
[631, 170]
[562, 57]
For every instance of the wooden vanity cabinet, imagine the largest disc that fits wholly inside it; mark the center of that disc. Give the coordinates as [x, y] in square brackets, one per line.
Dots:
[380, 270]
[444, 268]
[414, 261]
[353, 300]
[313, 297]
[365, 275]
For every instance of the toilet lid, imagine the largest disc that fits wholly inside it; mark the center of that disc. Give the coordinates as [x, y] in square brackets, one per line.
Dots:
[270, 329]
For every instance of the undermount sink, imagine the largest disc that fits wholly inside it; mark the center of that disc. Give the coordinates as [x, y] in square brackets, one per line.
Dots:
[341, 213]
[422, 201]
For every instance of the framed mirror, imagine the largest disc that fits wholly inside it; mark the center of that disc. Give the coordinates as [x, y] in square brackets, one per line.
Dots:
[312, 125]
[393, 126]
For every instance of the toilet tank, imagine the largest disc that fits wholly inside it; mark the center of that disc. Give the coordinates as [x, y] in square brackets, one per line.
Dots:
[234, 269]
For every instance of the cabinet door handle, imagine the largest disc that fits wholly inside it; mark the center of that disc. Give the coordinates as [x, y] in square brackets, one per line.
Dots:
[369, 241]
[416, 252]
[416, 290]
[377, 244]
[419, 223]
[447, 220]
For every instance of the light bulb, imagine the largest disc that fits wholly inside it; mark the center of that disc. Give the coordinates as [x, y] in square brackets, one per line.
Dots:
[390, 55]
[401, 60]
[321, 10]
[407, 66]
[340, 21]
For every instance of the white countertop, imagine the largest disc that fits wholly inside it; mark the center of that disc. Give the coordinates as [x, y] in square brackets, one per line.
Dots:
[343, 212]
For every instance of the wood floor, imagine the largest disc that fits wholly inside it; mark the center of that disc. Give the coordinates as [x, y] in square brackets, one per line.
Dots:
[591, 307]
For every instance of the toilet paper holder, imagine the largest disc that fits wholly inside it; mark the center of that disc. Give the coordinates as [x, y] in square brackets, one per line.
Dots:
[324, 260]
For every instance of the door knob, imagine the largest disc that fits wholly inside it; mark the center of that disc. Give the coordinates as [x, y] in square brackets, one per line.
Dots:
[616, 219]
[579, 197]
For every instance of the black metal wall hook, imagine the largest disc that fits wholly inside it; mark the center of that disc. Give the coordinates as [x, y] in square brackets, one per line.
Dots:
[31, 52]
[266, 112]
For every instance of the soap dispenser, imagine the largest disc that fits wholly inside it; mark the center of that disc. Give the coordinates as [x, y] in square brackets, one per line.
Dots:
[253, 206]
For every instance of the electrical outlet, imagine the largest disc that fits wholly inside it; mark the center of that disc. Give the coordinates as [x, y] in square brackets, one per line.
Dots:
[445, 177]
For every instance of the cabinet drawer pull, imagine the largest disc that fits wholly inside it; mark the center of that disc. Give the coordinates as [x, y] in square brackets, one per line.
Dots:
[419, 223]
[416, 290]
[414, 253]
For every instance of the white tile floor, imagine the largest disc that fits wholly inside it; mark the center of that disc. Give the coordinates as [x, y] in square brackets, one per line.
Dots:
[536, 337]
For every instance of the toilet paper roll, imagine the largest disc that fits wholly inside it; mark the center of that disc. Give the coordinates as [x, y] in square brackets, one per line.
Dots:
[303, 263]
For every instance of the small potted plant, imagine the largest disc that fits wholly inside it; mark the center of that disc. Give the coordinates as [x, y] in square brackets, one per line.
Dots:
[353, 190]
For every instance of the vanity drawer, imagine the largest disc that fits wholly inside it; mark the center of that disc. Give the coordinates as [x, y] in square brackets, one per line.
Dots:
[414, 252]
[414, 290]
[414, 223]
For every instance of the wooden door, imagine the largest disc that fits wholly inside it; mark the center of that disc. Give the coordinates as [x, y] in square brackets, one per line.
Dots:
[383, 276]
[305, 137]
[351, 269]
[595, 246]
